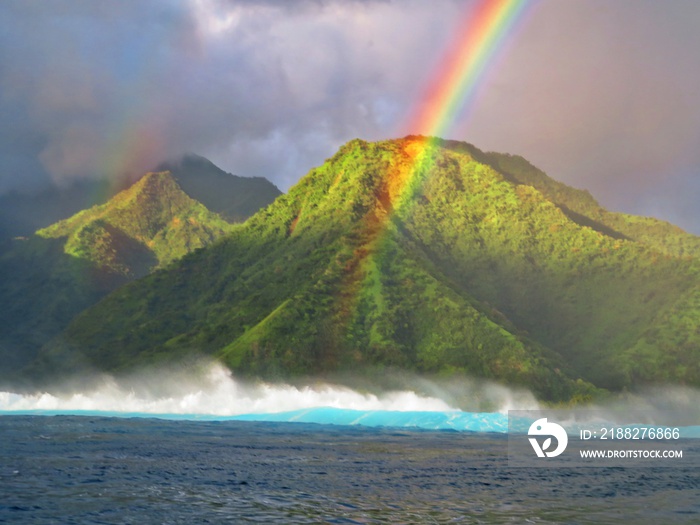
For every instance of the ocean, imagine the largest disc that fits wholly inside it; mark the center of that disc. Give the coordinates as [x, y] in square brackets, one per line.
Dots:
[177, 448]
[92, 469]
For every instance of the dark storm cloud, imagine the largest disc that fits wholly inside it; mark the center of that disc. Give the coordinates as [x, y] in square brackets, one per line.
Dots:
[94, 88]
[602, 95]
[605, 96]
[72, 75]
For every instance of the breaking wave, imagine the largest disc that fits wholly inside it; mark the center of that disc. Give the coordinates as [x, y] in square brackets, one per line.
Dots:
[213, 394]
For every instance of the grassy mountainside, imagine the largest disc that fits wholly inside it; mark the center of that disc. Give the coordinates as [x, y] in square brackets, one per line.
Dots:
[234, 198]
[148, 225]
[474, 263]
[582, 208]
[477, 263]
[48, 278]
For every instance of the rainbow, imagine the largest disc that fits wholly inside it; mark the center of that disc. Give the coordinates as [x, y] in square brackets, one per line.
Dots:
[481, 34]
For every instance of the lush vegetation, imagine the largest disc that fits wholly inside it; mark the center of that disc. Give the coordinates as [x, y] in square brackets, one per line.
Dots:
[234, 198]
[46, 279]
[150, 224]
[464, 262]
[582, 208]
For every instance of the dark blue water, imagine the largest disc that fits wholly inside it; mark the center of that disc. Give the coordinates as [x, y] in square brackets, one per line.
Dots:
[73, 469]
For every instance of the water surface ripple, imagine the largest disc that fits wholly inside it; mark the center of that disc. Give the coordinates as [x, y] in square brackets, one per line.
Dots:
[96, 470]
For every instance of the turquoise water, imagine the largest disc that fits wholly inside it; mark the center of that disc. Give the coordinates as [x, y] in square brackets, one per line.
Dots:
[450, 420]
[484, 422]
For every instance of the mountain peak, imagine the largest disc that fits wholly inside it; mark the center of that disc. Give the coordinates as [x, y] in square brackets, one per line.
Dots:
[233, 197]
[188, 161]
[155, 181]
[152, 183]
[150, 223]
[72, 263]
[470, 262]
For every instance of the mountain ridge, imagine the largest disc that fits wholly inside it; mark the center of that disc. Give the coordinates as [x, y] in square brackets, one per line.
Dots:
[233, 197]
[48, 278]
[153, 216]
[452, 266]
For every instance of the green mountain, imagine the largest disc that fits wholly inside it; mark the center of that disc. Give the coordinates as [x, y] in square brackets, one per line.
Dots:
[234, 198]
[64, 268]
[146, 226]
[423, 255]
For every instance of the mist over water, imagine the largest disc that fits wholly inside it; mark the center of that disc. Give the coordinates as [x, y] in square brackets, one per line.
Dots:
[214, 391]
[668, 405]
[209, 390]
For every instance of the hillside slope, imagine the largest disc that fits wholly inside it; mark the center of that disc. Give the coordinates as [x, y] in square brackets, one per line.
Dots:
[430, 256]
[46, 279]
[146, 226]
[233, 197]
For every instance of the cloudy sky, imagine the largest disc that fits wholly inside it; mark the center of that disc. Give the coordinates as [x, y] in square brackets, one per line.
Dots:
[601, 94]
